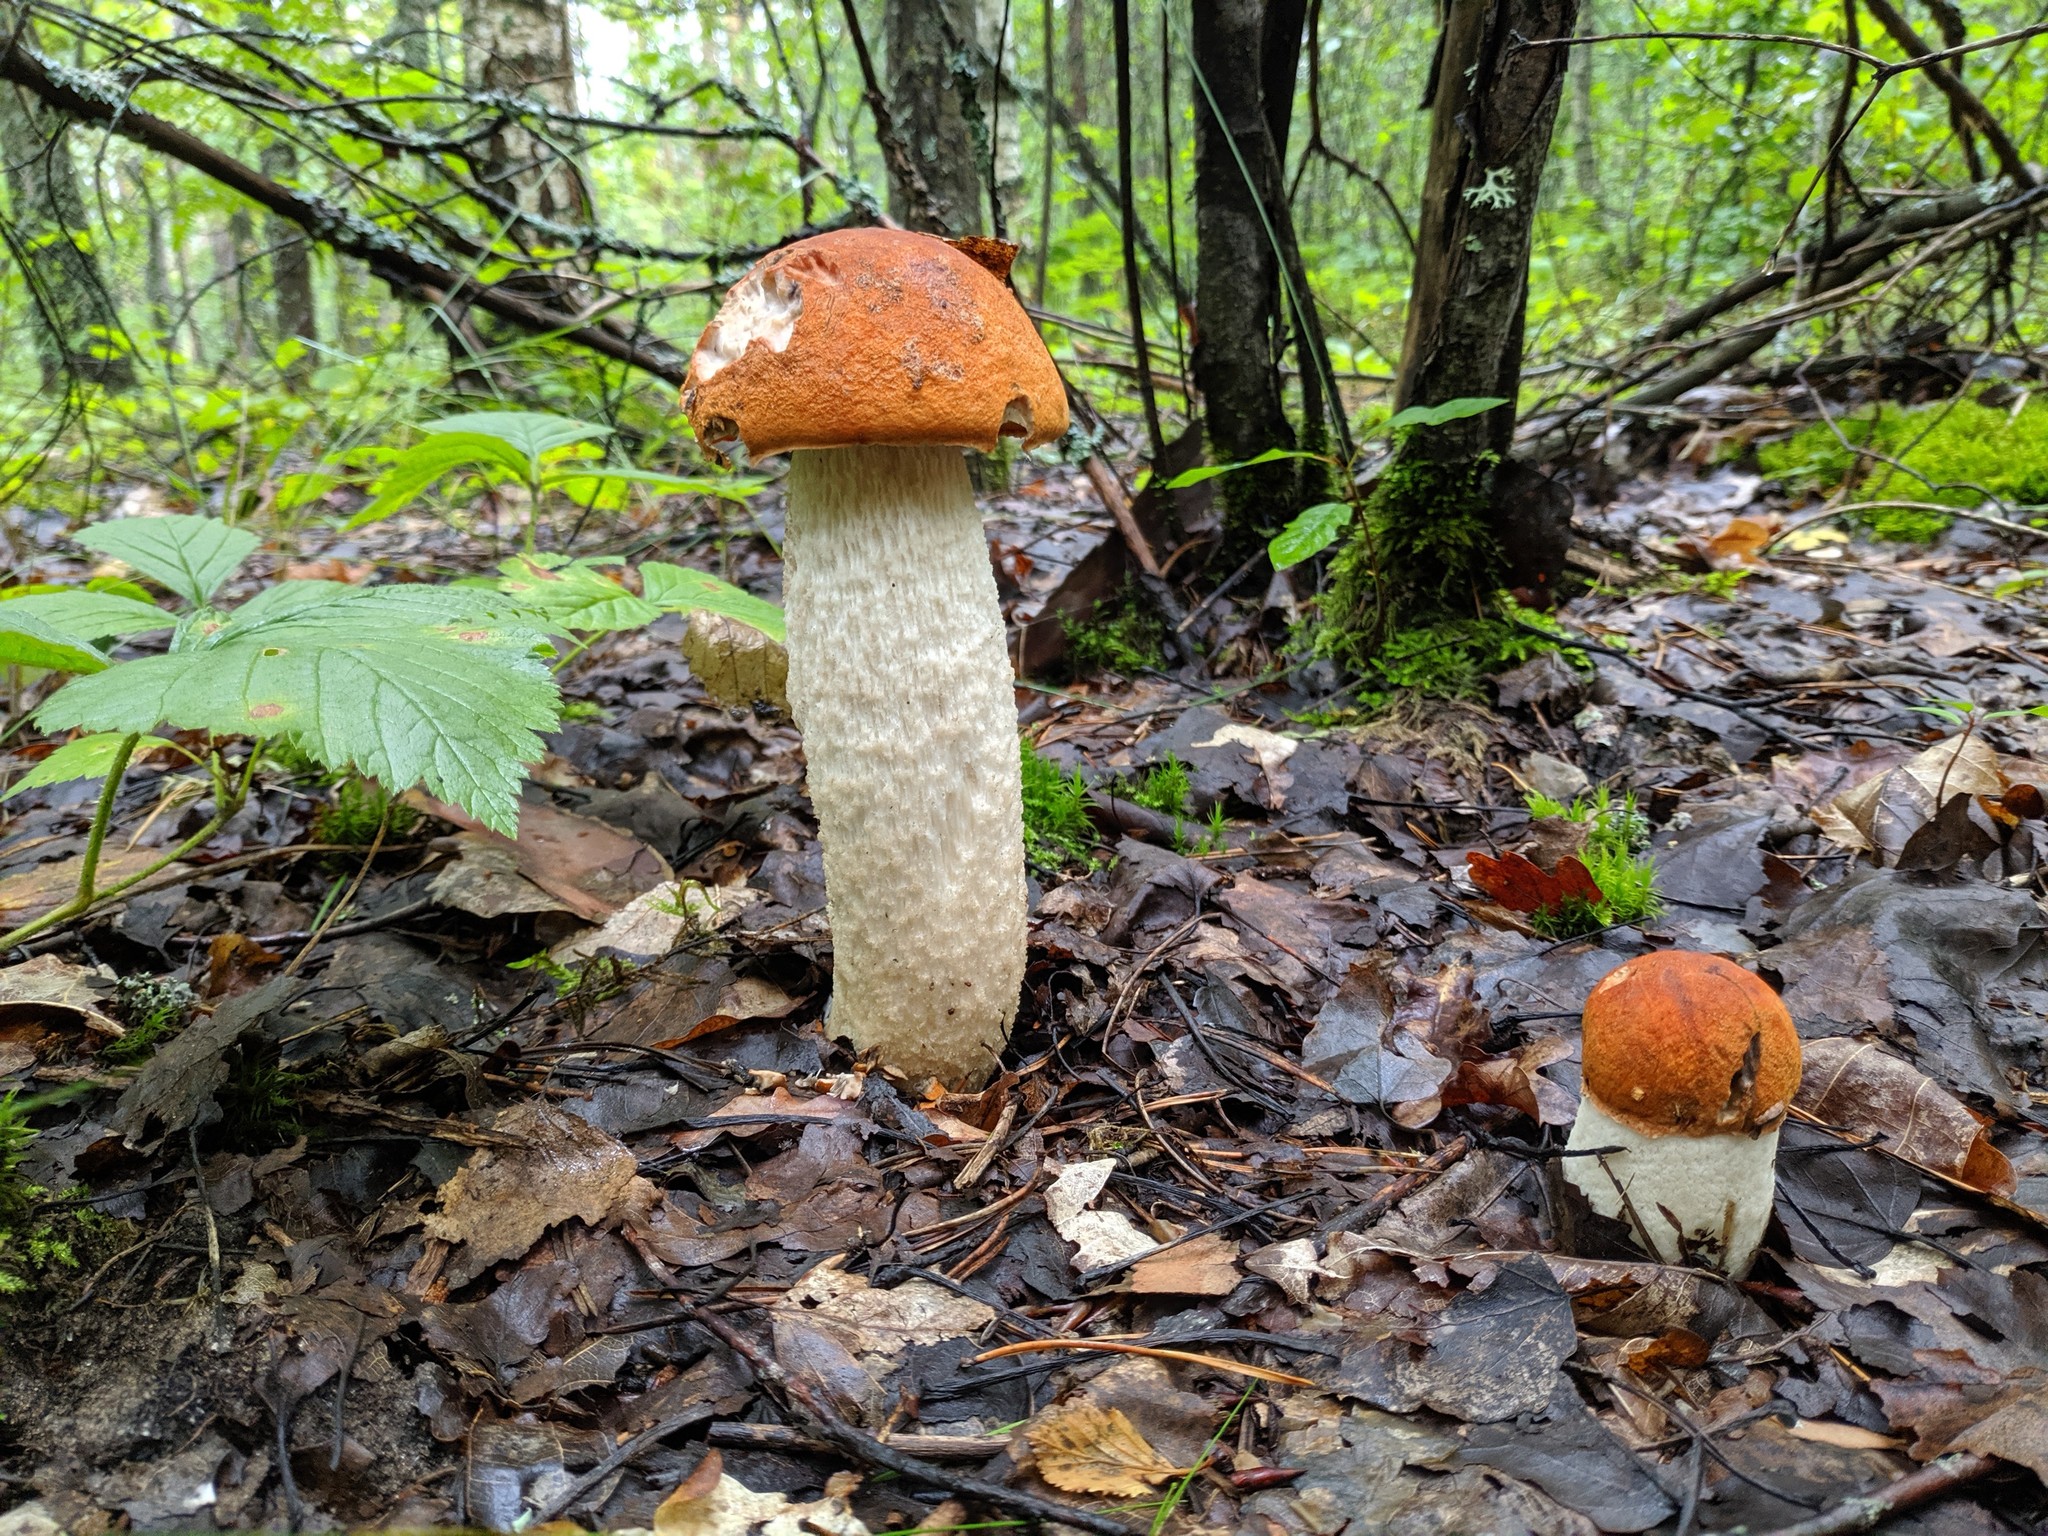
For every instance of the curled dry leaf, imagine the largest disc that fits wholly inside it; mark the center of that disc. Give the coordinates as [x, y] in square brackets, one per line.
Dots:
[1881, 814]
[708, 1503]
[1858, 1087]
[737, 664]
[1100, 1237]
[1085, 1449]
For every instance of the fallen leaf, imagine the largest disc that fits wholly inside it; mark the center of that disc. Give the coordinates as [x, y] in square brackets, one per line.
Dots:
[655, 921]
[1861, 1088]
[1099, 1237]
[1522, 886]
[1205, 1266]
[1086, 1449]
[29, 893]
[47, 996]
[589, 867]
[497, 1205]
[1850, 1437]
[2017, 1432]
[737, 664]
[728, 1507]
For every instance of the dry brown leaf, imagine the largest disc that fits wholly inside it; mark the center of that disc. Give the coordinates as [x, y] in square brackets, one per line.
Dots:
[1086, 1449]
[1861, 1088]
[737, 664]
[1203, 1266]
[1849, 1437]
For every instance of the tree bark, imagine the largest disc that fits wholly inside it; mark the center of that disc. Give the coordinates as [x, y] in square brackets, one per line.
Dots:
[291, 269]
[524, 48]
[1239, 338]
[1449, 522]
[938, 114]
[79, 332]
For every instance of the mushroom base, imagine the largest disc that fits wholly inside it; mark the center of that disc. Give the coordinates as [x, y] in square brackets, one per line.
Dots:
[900, 681]
[1700, 1200]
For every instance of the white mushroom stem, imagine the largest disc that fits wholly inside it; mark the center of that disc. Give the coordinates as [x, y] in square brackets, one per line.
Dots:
[900, 681]
[1694, 1199]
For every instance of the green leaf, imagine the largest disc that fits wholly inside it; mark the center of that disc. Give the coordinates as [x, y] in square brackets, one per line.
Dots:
[1311, 532]
[735, 489]
[89, 757]
[408, 685]
[27, 641]
[190, 555]
[421, 465]
[531, 434]
[92, 615]
[1203, 472]
[1450, 410]
[679, 589]
[574, 594]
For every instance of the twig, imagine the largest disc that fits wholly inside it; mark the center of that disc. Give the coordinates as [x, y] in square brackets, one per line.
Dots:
[865, 1448]
[618, 1458]
[1365, 1215]
[1102, 1272]
[1150, 1351]
[1866, 1511]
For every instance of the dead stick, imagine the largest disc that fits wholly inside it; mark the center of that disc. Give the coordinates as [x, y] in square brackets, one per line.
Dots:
[1911, 1491]
[865, 1448]
[1150, 576]
[1365, 1215]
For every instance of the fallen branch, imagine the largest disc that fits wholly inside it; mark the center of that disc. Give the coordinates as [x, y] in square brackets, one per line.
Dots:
[1867, 1511]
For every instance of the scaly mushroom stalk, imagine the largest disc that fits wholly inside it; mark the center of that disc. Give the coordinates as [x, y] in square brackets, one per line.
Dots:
[873, 357]
[900, 681]
[1690, 1063]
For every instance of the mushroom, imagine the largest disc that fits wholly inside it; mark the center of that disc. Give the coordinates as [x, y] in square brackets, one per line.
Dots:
[873, 357]
[1690, 1063]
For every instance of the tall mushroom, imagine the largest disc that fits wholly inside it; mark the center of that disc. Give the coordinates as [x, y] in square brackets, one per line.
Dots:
[1690, 1063]
[873, 357]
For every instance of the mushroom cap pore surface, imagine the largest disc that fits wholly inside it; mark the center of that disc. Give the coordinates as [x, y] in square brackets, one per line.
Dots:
[871, 336]
[1685, 1044]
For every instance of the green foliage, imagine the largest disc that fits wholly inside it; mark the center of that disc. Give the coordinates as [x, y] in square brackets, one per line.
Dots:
[1616, 856]
[409, 684]
[1958, 446]
[259, 1099]
[587, 595]
[153, 1009]
[1057, 831]
[29, 1243]
[1162, 787]
[360, 806]
[1310, 533]
[1120, 635]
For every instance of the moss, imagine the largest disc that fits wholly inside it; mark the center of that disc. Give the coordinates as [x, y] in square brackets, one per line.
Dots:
[1424, 550]
[1057, 831]
[1616, 856]
[359, 807]
[1120, 634]
[1958, 445]
[153, 1010]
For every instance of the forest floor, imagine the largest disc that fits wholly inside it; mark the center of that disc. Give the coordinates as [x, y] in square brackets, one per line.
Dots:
[1256, 1231]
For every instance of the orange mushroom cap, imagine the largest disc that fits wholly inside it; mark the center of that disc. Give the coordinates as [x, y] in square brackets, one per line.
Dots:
[873, 336]
[1685, 1044]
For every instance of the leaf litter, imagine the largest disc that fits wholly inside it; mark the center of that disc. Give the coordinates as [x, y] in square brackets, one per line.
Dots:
[373, 1228]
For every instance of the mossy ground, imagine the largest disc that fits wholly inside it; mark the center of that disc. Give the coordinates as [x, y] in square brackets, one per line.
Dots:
[1616, 855]
[1121, 634]
[1963, 448]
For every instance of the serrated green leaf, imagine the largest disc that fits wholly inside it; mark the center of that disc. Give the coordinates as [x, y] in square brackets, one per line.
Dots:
[89, 757]
[1203, 472]
[574, 594]
[530, 433]
[1450, 410]
[735, 489]
[679, 589]
[27, 641]
[421, 465]
[408, 685]
[191, 556]
[93, 615]
[1310, 533]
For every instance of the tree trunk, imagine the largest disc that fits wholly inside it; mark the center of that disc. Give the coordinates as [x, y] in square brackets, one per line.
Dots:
[1450, 520]
[78, 332]
[1077, 58]
[941, 111]
[524, 48]
[1239, 337]
[291, 268]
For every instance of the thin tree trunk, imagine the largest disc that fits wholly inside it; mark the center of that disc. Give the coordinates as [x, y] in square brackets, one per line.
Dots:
[927, 98]
[1238, 340]
[524, 48]
[1045, 170]
[1450, 522]
[78, 334]
[1077, 59]
[291, 269]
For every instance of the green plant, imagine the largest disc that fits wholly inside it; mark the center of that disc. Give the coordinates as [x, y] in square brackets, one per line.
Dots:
[359, 810]
[537, 451]
[1057, 831]
[586, 597]
[1120, 635]
[153, 1009]
[444, 686]
[26, 1243]
[1953, 453]
[1164, 787]
[258, 1099]
[1616, 856]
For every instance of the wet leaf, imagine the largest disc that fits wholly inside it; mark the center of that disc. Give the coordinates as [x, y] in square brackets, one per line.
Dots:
[1522, 886]
[1866, 1091]
[738, 665]
[1086, 1449]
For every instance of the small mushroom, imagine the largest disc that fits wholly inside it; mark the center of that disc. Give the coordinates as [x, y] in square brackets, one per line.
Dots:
[873, 357]
[1690, 1063]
